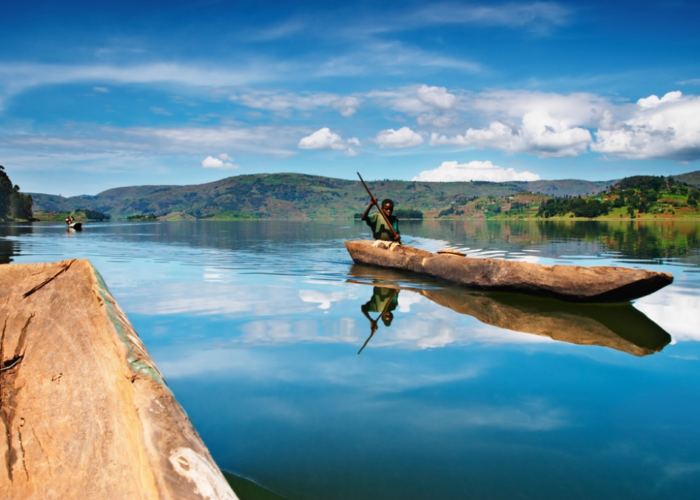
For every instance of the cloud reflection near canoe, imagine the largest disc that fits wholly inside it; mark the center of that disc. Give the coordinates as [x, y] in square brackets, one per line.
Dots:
[677, 308]
[423, 318]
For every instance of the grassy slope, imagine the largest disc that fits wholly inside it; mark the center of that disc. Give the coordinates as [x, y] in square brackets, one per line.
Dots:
[294, 196]
[692, 178]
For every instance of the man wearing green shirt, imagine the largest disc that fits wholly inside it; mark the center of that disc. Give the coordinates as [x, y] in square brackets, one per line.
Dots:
[375, 221]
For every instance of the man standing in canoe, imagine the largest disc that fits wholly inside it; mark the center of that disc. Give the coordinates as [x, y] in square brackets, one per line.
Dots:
[375, 221]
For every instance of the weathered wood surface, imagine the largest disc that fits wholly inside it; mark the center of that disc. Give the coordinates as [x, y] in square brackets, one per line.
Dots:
[84, 412]
[572, 283]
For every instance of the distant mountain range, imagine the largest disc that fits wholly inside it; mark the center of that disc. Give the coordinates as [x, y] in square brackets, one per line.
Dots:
[299, 196]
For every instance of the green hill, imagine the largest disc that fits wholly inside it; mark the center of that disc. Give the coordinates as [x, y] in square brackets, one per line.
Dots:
[642, 196]
[692, 178]
[294, 196]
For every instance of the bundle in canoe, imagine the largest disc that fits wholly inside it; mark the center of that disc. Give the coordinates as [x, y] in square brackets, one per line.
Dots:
[572, 283]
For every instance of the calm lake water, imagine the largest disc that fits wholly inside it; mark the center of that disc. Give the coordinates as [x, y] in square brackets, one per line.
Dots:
[458, 394]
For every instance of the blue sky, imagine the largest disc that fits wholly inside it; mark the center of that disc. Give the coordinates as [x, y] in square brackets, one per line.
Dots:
[99, 96]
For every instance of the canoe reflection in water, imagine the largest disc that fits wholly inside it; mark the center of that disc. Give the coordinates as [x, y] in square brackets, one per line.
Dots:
[617, 326]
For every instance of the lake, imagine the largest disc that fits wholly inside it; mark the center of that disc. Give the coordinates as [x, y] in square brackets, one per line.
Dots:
[257, 325]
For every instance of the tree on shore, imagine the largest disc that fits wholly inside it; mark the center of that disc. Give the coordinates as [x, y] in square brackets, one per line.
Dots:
[13, 204]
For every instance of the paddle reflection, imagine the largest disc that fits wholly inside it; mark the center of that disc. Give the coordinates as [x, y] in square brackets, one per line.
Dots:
[616, 326]
[384, 300]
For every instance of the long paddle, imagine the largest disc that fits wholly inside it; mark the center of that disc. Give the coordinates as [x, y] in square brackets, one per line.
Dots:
[386, 219]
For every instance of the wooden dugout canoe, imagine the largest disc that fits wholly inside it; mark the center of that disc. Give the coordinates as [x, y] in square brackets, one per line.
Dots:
[600, 284]
[84, 412]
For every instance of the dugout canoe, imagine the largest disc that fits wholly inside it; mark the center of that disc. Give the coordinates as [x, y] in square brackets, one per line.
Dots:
[84, 411]
[599, 284]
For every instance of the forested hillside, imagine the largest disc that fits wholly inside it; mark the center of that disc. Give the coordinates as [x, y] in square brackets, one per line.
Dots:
[637, 196]
[294, 196]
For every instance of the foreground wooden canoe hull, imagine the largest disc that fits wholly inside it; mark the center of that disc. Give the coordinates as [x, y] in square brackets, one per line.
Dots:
[84, 412]
[600, 284]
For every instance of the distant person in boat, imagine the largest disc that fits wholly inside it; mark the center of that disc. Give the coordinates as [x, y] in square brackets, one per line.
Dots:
[377, 223]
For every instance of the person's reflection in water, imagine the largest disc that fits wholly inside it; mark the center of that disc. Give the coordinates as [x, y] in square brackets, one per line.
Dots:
[384, 300]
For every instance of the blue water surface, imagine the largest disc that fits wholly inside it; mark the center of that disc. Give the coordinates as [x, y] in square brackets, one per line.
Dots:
[256, 326]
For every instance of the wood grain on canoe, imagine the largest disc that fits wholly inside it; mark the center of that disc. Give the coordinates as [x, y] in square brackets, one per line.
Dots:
[571, 283]
[84, 412]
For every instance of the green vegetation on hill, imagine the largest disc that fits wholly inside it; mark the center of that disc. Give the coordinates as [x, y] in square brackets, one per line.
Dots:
[692, 178]
[298, 196]
[520, 205]
[142, 217]
[13, 204]
[638, 196]
[579, 207]
[231, 215]
[291, 196]
[79, 215]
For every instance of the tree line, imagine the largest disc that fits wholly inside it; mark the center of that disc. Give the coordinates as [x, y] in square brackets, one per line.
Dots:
[13, 204]
[640, 194]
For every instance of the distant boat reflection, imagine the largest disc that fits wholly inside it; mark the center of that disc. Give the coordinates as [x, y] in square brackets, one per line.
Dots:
[617, 326]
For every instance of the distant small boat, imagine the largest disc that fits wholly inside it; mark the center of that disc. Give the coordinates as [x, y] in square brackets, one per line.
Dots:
[602, 284]
[76, 225]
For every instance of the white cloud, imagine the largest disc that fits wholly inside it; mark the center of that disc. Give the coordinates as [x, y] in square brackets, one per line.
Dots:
[659, 128]
[547, 125]
[556, 125]
[101, 89]
[437, 97]
[579, 109]
[285, 101]
[402, 138]
[323, 298]
[346, 106]
[415, 100]
[393, 57]
[652, 101]
[322, 139]
[273, 141]
[325, 139]
[210, 162]
[408, 299]
[437, 120]
[539, 16]
[676, 309]
[18, 77]
[539, 134]
[451, 171]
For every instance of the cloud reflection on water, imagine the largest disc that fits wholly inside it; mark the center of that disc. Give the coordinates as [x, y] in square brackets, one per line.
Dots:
[676, 308]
